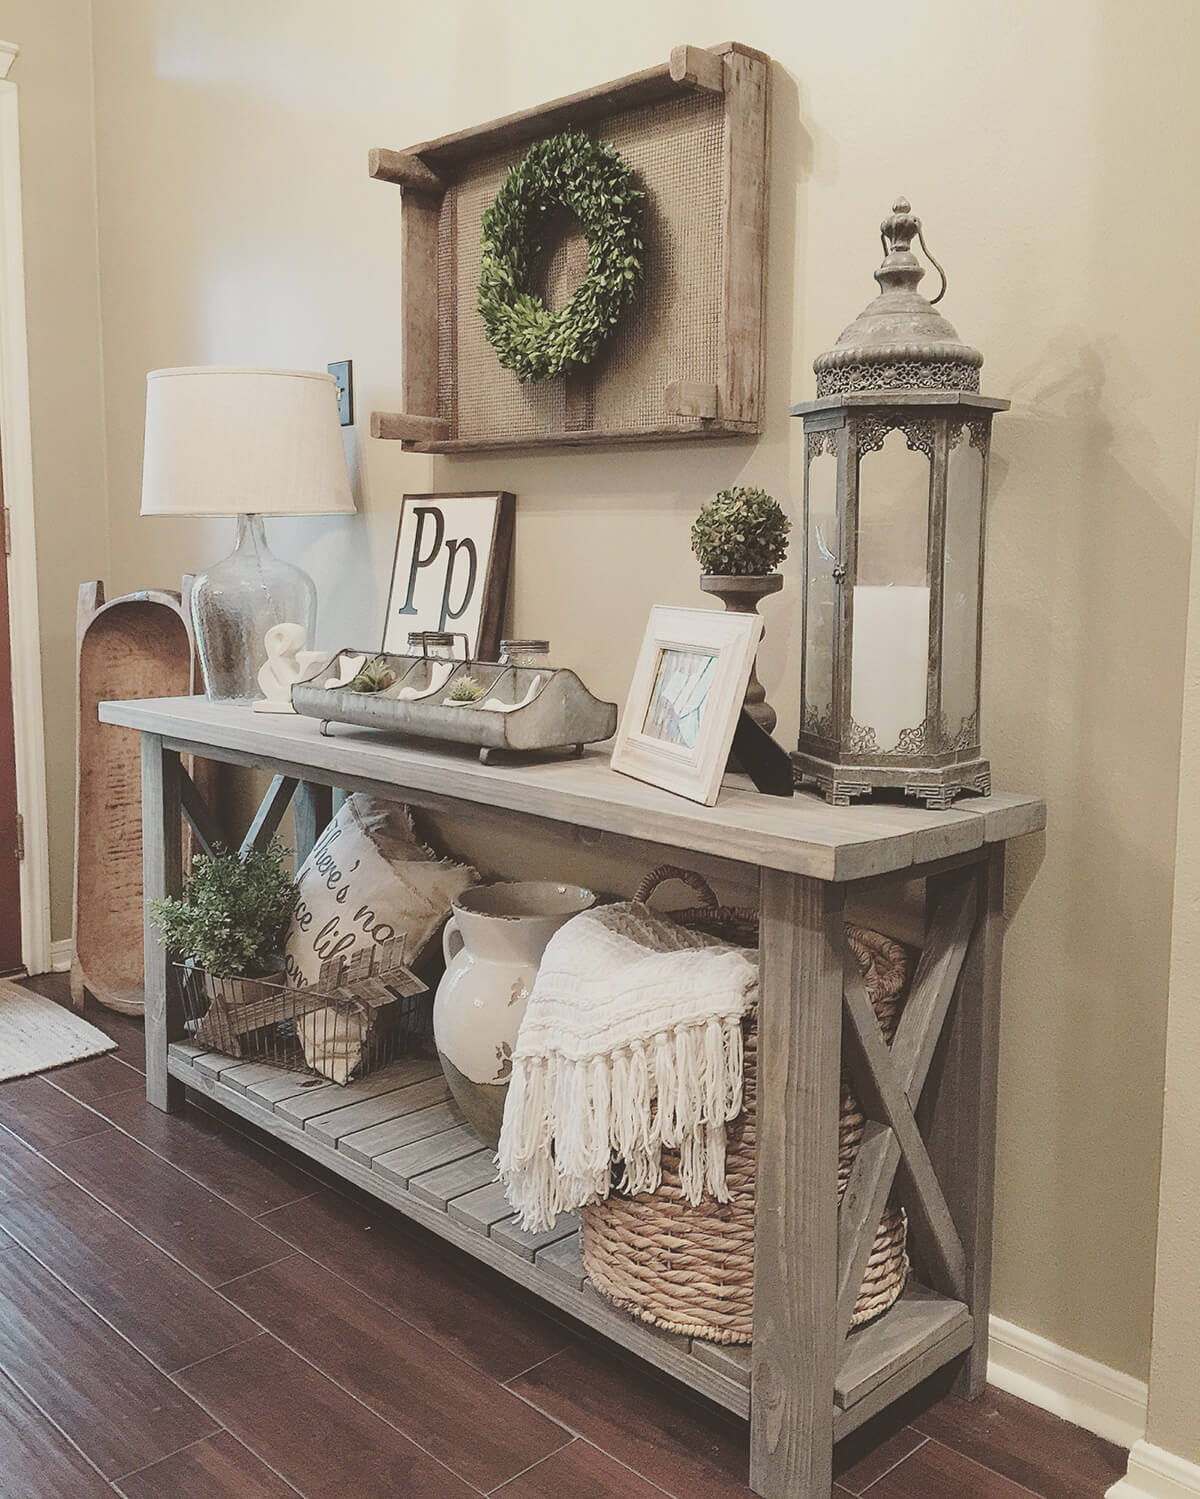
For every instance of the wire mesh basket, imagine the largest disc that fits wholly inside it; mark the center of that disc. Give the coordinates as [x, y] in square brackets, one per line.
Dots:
[365, 1010]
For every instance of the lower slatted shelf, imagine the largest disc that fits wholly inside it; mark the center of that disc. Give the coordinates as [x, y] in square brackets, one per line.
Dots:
[398, 1135]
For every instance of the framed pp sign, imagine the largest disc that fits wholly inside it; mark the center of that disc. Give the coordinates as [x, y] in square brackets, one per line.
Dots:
[684, 700]
[453, 555]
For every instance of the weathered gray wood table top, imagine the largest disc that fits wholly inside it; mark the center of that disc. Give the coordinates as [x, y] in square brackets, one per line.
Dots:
[799, 836]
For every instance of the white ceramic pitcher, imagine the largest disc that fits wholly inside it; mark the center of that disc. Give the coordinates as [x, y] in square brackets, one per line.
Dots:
[493, 943]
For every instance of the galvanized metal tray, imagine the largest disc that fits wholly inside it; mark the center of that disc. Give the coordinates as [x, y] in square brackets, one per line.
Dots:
[522, 709]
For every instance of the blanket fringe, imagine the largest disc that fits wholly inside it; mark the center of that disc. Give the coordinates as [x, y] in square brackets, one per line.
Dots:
[680, 1090]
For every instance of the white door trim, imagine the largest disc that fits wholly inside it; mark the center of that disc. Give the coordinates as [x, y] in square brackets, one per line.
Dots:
[16, 452]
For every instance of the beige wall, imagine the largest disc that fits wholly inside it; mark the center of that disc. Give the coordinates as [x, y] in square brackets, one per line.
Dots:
[237, 224]
[53, 74]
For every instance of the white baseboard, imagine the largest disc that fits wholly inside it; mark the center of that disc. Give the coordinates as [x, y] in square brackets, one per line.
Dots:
[1155, 1474]
[1080, 1390]
[60, 955]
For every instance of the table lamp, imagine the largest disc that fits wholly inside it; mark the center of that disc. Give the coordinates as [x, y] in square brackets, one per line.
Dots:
[245, 443]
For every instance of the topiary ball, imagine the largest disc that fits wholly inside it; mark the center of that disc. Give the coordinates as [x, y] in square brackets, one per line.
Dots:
[742, 533]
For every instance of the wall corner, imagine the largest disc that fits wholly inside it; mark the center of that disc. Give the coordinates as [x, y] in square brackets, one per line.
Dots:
[1155, 1474]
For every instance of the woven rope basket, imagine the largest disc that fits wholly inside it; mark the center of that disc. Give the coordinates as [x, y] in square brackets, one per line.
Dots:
[691, 1269]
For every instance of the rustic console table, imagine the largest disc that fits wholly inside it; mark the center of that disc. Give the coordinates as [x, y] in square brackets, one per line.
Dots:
[806, 1381]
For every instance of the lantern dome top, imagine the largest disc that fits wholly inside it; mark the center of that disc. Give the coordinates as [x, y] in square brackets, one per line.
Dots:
[899, 342]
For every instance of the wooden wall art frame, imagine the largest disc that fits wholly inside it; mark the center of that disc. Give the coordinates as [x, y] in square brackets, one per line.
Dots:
[686, 358]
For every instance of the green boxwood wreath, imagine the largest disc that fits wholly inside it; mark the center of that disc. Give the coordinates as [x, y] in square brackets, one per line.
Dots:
[589, 178]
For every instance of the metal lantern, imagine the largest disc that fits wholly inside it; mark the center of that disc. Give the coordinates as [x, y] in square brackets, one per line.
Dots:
[895, 485]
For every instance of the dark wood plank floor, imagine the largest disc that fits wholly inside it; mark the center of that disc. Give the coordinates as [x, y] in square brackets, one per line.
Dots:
[190, 1312]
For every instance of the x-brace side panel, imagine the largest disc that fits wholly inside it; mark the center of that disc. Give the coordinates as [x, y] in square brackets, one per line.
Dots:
[889, 1083]
[311, 810]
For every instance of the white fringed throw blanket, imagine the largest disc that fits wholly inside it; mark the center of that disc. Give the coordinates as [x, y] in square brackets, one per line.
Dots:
[632, 1041]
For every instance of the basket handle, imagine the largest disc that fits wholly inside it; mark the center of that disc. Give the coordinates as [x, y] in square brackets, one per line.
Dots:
[665, 873]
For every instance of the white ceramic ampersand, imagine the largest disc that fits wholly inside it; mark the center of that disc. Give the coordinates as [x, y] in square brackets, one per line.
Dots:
[287, 663]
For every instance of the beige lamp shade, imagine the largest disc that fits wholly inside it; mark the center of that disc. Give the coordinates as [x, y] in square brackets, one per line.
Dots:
[243, 442]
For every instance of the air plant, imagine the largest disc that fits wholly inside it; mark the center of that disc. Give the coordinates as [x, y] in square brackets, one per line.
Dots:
[466, 690]
[375, 676]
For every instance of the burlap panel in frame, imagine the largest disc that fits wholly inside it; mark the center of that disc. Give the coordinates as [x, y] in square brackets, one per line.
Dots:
[672, 331]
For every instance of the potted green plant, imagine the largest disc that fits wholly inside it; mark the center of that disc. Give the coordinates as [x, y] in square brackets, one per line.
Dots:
[230, 923]
[740, 538]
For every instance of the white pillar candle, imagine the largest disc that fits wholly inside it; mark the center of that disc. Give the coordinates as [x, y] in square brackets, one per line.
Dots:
[891, 658]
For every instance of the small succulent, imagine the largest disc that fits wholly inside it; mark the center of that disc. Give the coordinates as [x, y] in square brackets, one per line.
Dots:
[743, 532]
[466, 690]
[374, 677]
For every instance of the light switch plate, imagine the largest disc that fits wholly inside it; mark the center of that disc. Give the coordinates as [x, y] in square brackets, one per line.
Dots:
[343, 373]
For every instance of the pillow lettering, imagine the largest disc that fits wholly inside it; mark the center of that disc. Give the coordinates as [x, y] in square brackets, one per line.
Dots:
[368, 880]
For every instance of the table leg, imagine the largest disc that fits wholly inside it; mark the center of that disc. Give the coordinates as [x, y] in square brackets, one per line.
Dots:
[958, 1114]
[796, 1241]
[162, 874]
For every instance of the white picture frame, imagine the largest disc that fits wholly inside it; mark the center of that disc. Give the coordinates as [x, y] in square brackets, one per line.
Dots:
[451, 569]
[685, 698]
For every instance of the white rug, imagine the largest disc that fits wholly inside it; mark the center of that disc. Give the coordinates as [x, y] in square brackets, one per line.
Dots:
[35, 1034]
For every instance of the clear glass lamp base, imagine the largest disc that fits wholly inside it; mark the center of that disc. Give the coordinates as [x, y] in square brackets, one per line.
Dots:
[236, 602]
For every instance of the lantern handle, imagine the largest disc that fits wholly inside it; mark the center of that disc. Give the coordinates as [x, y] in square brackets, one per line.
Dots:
[933, 301]
[896, 232]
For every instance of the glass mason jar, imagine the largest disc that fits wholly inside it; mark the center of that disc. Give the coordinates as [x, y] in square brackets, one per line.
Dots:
[438, 645]
[524, 652]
